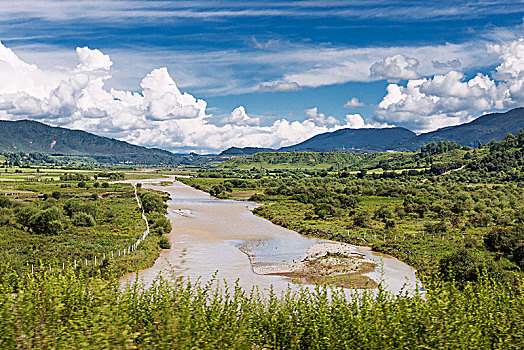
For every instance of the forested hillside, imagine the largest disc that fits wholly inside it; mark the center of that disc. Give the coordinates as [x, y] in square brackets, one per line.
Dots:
[354, 140]
[32, 137]
[481, 130]
[484, 129]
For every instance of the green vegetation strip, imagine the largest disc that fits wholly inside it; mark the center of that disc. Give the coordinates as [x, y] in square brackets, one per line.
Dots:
[71, 310]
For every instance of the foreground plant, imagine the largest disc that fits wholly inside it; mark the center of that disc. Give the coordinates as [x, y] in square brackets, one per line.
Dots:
[70, 310]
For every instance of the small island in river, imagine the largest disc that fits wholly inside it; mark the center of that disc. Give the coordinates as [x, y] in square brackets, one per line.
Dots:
[326, 263]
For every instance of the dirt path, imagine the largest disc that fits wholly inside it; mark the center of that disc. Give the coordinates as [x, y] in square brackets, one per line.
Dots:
[447, 172]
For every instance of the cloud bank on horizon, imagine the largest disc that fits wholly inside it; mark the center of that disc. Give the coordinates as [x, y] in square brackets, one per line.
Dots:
[161, 115]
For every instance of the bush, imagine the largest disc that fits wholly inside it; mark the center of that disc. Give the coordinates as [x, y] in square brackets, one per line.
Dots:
[518, 254]
[463, 265]
[75, 205]
[24, 214]
[83, 219]
[48, 221]
[257, 197]
[504, 239]
[159, 224]
[152, 202]
[164, 243]
[5, 216]
[5, 202]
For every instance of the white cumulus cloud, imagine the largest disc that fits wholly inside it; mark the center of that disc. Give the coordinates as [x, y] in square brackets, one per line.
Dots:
[394, 68]
[442, 100]
[320, 119]
[159, 115]
[240, 117]
[355, 121]
[353, 102]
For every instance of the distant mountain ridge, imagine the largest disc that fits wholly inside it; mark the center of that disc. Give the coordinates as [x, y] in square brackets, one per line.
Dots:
[244, 151]
[354, 140]
[32, 136]
[493, 126]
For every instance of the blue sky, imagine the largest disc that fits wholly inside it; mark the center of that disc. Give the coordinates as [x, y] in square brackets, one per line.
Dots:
[279, 60]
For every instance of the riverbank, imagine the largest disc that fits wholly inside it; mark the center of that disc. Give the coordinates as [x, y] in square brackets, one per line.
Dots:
[332, 262]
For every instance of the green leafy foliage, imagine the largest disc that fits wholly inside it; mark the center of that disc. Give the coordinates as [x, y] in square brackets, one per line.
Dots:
[164, 243]
[83, 219]
[72, 310]
[158, 223]
[152, 202]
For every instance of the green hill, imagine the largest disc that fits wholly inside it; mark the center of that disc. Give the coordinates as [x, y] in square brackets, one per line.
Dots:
[244, 151]
[31, 136]
[363, 140]
[488, 127]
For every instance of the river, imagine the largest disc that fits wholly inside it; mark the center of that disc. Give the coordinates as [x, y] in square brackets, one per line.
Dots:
[208, 234]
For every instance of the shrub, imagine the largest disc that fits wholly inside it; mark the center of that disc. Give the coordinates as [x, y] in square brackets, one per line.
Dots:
[5, 216]
[24, 214]
[464, 265]
[518, 254]
[48, 221]
[152, 202]
[159, 224]
[75, 205]
[257, 197]
[83, 219]
[164, 243]
[5, 202]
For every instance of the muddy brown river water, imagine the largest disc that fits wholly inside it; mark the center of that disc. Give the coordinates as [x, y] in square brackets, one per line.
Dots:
[208, 234]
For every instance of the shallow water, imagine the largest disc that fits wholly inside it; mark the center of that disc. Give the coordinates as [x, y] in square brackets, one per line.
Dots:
[208, 234]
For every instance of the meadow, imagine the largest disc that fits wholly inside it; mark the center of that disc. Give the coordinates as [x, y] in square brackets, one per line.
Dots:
[72, 217]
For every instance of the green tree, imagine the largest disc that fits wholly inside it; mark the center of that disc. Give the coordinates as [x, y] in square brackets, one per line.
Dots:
[159, 224]
[24, 214]
[5, 202]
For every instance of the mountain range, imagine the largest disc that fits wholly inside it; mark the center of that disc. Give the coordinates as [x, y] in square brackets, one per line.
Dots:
[32, 136]
[493, 126]
[356, 140]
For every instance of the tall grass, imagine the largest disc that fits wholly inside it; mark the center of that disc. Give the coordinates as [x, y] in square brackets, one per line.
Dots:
[70, 310]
